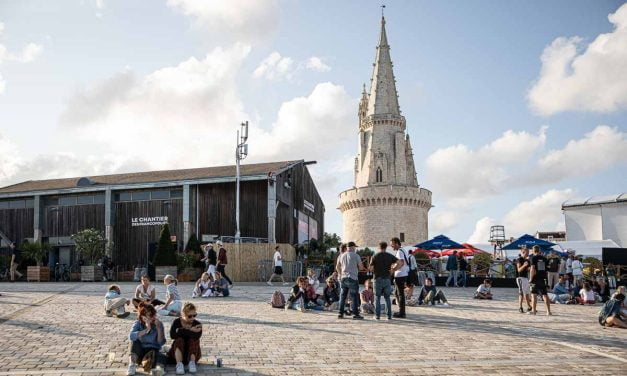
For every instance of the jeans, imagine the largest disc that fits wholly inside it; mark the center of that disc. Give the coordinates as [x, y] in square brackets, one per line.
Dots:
[352, 286]
[462, 278]
[137, 349]
[452, 276]
[400, 283]
[382, 286]
[221, 268]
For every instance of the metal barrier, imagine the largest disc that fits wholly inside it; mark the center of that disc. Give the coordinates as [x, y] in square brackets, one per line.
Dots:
[291, 270]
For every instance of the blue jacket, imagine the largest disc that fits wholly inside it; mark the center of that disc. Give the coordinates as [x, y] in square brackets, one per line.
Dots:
[150, 340]
[451, 263]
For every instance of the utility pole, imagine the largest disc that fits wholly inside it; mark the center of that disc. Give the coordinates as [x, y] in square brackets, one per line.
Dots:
[241, 152]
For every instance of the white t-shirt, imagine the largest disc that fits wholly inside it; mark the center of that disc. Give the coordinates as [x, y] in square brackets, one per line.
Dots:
[404, 270]
[577, 267]
[587, 295]
[139, 291]
[277, 259]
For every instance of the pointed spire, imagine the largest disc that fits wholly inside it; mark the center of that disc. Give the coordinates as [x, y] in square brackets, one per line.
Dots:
[383, 96]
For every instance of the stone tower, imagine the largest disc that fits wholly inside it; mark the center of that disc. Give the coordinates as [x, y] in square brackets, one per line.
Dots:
[386, 200]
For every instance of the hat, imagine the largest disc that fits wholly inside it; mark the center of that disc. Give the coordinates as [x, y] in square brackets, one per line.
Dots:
[352, 244]
[219, 243]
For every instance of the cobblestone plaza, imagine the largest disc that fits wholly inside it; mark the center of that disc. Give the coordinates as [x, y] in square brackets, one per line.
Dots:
[56, 328]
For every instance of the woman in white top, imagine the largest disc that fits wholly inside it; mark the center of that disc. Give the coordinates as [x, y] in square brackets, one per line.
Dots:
[145, 292]
[204, 286]
[173, 303]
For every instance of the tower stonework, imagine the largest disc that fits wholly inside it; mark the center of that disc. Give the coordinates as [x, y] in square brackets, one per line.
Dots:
[386, 200]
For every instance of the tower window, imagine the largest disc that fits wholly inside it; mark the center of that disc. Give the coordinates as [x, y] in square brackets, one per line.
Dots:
[402, 236]
[379, 175]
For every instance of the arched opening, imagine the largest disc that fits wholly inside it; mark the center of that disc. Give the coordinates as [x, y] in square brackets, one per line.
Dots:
[379, 175]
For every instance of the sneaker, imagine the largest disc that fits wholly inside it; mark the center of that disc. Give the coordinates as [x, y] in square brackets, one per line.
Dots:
[269, 283]
[358, 317]
[158, 371]
[180, 369]
[389, 317]
[378, 318]
[285, 283]
[287, 307]
[191, 367]
[123, 315]
[445, 305]
[132, 368]
[340, 316]
[302, 309]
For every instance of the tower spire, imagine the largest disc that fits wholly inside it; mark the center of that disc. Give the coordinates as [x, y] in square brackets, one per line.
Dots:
[383, 95]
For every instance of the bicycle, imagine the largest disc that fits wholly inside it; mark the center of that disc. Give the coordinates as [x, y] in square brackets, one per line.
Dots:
[61, 272]
[4, 273]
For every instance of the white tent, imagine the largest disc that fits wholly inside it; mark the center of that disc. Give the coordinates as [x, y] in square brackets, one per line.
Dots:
[593, 248]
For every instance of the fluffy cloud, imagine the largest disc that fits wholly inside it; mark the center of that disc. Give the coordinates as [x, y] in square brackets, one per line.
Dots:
[29, 53]
[243, 20]
[443, 221]
[542, 213]
[598, 150]
[482, 172]
[316, 64]
[594, 80]
[275, 68]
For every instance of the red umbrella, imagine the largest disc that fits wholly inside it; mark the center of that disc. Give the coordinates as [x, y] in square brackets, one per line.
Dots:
[467, 251]
[429, 252]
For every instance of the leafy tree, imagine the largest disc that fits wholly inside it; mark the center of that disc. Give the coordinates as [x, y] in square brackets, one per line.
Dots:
[329, 241]
[35, 251]
[193, 246]
[365, 252]
[165, 255]
[90, 244]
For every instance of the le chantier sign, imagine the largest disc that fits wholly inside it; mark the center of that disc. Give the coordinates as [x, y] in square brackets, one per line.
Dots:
[149, 221]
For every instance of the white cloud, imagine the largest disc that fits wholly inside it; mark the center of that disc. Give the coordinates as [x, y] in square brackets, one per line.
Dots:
[275, 68]
[29, 53]
[600, 149]
[244, 20]
[481, 234]
[443, 221]
[482, 172]
[594, 80]
[316, 64]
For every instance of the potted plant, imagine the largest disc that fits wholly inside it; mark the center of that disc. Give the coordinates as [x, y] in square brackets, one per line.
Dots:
[36, 252]
[165, 259]
[481, 264]
[185, 263]
[194, 248]
[90, 244]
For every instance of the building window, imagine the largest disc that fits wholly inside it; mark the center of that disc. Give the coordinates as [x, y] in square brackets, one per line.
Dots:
[379, 175]
[85, 200]
[402, 236]
[67, 201]
[176, 193]
[99, 199]
[141, 196]
[124, 196]
[160, 195]
[4, 204]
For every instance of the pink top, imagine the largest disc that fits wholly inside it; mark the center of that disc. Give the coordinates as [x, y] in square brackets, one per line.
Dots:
[367, 296]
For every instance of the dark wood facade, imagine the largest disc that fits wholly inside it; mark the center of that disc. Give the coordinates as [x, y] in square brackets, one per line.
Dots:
[68, 220]
[17, 224]
[131, 242]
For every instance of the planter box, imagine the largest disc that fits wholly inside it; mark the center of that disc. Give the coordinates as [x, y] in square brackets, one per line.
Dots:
[91, 274]
[161, 271]
[38, 273]
[126, 276]
[184, 277]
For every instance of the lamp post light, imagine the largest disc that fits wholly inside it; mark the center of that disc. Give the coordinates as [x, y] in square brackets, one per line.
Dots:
[241, 152]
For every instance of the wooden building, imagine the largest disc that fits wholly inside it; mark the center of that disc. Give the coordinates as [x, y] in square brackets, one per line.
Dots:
[279, 203]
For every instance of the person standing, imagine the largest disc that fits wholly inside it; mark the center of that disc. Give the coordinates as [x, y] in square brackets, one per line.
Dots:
[382, 265]
[463, 266]
[400, 276]
[553, 269]
[577, 270]
[537, 276]
[348, 266]
[223, 262]
[451, 266]
[522, 269]
[212, 259]
[16, 259]
[569, 271]
[278, 266]
[610, 272]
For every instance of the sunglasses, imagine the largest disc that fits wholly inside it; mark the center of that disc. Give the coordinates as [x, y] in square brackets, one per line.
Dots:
[192, 316]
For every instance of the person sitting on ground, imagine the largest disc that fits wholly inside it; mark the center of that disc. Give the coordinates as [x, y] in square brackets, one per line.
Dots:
[145, 292]
[602, 291]
[221, 285]
[367, 297]
[484, 291]
[331, 294]
[429, 294]
[560, 293]
[611, 313]
[314, 300]
[586, 295]
[313, 280]
[621, 290]
[298, 298]
[204, 286]
[147, 337]
[173, 304]
[186, 332]
[114, 303]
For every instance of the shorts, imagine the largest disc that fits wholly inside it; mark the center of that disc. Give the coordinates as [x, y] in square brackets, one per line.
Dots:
[278, 270]
[523, 285]
[539, 287]
[211, 269]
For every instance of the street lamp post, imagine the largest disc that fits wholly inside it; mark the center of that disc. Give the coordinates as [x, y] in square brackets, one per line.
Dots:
[241, 152]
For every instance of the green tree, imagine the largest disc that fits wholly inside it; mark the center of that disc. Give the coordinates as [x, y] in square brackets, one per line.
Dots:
[329, 241]
[165, 255]
[90, 244]
[35, 251]
[193, 246]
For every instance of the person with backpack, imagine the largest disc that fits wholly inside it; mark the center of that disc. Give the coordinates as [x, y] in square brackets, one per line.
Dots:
[611, 314]
[400, 277]
[451, 266]
[552, 270]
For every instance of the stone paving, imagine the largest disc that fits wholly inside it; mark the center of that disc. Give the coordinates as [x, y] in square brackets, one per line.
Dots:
[59, 328]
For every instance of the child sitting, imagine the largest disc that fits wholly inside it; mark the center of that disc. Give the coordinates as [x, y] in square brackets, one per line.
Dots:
[367, 297]
[114, 303]
[429, 294]
[220, 285]
[204, 286]
[298, 297]
[331, 295]
[484, 291]
[314, 300]
[173, 303]
[586, 295]
[145, 292]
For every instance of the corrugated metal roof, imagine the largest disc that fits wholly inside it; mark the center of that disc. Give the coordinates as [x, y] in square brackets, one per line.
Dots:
[595, 200]
[149, 177]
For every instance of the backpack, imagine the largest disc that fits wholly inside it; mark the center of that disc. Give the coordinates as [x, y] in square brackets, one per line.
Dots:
[277, 300]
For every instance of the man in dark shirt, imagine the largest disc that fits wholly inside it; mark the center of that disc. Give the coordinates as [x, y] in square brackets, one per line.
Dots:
[522, 271]
[383, 264]
[537, 276]
[223, 262]
[16, 258]
[212, 260]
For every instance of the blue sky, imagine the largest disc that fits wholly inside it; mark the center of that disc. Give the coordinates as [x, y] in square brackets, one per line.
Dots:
[180, 75]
